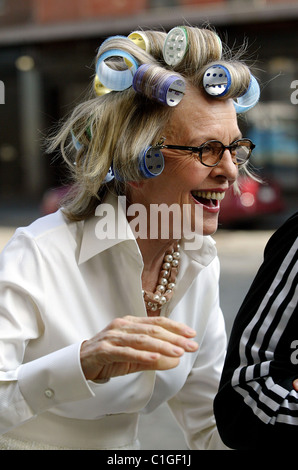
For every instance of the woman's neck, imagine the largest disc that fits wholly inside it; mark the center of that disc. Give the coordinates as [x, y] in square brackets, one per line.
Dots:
[153, 252]
[153, 248]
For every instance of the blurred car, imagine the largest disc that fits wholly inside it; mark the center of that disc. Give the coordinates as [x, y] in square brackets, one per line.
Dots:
[255, 201]
[52, 199]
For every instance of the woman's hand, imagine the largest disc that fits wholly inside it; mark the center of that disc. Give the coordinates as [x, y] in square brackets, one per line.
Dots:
[133, 344]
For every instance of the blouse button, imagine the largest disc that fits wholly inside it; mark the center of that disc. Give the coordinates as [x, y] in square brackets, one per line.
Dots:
[49, 393]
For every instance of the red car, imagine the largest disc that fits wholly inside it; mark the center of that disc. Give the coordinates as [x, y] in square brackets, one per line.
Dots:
[52, 199]
[255, 200]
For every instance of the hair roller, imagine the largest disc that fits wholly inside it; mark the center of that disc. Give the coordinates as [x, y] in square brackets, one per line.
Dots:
[150, 41]
[99, 88]
[75, 141]
[175, 45]
[81, 139]
[188, 49]
[126, 45]
[217, 80]
[159, 84]
[250, 98]
[112, 79]
[151, 162]
[109, 176]
[226, 79]
[141, 40]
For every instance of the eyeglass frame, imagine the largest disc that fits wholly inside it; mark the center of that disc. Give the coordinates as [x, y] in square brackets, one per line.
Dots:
[199, 149]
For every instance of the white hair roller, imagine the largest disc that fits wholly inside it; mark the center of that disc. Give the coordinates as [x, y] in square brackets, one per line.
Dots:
[187, 49]
[175, 46]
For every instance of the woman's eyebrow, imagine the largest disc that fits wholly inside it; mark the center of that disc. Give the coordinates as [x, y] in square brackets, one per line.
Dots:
[207, 138]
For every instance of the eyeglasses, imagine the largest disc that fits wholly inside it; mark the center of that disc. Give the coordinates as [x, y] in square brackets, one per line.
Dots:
[211, 152]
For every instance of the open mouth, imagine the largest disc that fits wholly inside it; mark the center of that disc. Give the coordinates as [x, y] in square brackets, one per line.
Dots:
[209, 199]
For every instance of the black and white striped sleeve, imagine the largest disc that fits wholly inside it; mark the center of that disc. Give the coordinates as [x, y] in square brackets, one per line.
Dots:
[261, 363]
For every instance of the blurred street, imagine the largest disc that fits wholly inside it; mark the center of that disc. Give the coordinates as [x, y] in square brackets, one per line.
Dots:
[240, 253]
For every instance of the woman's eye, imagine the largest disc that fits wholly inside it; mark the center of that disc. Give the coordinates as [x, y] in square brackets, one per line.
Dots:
[207, 149]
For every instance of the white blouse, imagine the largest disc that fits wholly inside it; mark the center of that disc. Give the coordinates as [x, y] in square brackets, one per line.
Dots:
[60, 284]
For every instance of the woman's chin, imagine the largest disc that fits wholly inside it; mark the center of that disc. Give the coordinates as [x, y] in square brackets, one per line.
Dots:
[210, 225]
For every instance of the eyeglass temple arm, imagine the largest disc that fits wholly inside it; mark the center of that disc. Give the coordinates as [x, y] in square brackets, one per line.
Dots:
[178, 147]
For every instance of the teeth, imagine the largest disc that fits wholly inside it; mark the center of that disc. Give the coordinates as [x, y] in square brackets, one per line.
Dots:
[209, 195]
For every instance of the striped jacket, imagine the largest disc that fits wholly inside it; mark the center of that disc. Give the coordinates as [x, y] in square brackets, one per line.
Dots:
[256, 405]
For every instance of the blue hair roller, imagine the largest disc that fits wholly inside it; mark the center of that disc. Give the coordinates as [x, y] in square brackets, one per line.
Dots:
[250, 97]
[166, 88]
[77, 145]
[171, 92]
[217, 80]
[151, 162]
[109, 176]
[117, 80]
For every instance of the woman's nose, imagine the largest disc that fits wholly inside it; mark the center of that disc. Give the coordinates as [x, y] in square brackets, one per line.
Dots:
[227, 167]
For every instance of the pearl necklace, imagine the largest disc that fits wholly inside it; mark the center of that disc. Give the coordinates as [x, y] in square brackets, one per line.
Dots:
[166, 283]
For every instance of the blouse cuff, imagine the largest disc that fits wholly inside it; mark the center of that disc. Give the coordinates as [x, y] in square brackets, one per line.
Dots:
[54, 379]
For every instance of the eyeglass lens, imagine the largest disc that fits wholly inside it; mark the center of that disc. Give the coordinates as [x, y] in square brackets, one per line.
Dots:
[212, 152]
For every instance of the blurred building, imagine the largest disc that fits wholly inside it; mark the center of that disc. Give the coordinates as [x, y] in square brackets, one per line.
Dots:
[47, 54]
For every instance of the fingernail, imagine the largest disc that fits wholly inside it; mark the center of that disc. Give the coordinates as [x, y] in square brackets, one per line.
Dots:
[178, 351]
[192, 345]
[190, 332]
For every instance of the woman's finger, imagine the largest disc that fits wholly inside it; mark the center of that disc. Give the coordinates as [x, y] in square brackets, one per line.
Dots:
[145, 342]
[164, 322]
[153, 330]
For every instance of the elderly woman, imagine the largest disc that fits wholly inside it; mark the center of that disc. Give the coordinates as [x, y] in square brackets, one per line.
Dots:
[105, 314]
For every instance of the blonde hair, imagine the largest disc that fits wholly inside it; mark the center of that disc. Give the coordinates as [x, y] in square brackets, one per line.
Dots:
[117, 126]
